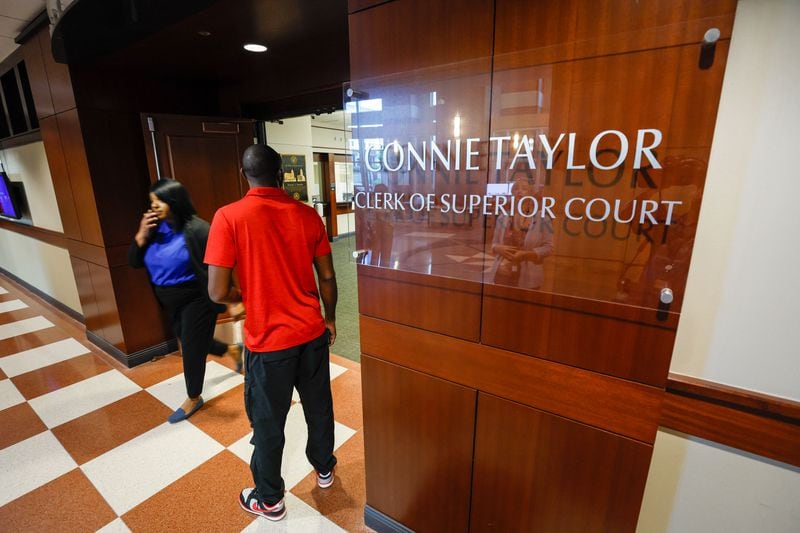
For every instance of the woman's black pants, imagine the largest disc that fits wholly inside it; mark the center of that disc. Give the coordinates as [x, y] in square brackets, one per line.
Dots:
[193, 320]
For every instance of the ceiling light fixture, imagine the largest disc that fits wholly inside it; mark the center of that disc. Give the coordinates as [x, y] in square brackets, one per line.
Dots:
[251, 47]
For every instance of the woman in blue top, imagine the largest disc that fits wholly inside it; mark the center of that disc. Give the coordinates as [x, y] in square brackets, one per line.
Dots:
[171, 244]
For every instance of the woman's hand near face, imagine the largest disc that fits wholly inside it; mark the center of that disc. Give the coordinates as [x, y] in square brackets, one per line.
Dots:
[146, 225]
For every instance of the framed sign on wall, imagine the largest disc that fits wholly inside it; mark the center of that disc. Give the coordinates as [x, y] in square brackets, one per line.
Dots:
[294, 176]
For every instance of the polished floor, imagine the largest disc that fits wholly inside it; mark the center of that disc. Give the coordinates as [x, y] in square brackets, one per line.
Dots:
[85, 446]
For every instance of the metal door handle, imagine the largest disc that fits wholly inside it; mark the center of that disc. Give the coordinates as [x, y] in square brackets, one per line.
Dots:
[666, 296]
[708, 47]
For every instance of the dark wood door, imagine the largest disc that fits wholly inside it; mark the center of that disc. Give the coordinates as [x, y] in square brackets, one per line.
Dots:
[204, 154]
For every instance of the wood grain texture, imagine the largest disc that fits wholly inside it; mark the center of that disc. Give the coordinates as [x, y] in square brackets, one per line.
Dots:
[37, 75]
[768, 437]
[381, 43]
[203, 153]
[418, 446]
[359, 5]
[86, 293]
[60, 175]
[106, 323]
[443, 305]
[623, 341]
[537, 472]
[579, 29]
[619, 406]
[142, 320]
[72, 143]
[58, 77]
[115, 156]
[764, 405]
[757, 423]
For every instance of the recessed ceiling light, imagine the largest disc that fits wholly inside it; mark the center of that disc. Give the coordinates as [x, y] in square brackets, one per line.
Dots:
[204, 33]
[250, 47]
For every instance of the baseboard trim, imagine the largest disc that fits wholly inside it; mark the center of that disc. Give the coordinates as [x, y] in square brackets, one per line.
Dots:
[135, 358]
[72, 313]
[382, 523]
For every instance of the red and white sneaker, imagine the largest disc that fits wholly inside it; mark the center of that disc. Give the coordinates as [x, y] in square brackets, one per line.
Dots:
[324, 480]
[248, 500]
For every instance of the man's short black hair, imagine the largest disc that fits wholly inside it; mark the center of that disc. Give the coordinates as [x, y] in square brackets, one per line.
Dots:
[261, 165]
[175, 195]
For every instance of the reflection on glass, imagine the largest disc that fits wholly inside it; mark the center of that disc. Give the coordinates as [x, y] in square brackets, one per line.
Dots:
[521, 242]
[619, 163]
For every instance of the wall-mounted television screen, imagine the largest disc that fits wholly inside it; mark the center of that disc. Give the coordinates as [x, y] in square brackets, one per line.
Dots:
[9, 204]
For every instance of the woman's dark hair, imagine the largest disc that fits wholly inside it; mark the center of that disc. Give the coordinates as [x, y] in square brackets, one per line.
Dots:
[175, 195]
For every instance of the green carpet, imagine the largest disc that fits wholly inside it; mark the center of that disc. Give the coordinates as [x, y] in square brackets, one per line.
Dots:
[347, 332]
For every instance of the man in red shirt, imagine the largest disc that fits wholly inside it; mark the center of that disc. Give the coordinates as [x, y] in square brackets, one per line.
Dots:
[273, 241]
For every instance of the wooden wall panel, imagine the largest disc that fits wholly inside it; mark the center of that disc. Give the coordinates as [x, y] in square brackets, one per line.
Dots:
[83, 281]
[37, 76]
[58, 77]
[694, 106]
[611, 27]
[107, 321]
[58, 171]
[80, 179]
[358, 5]
[578, 29]
[444, 305]
[586, 350]
[381, 43]
[142, 320]
[417, 446]
[538, 472]
[603, 342]
[619, 406]
[116, 156]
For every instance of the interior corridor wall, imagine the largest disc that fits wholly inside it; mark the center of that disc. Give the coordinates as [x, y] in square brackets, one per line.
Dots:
[44, 266]
[300, 135]
[739, 321]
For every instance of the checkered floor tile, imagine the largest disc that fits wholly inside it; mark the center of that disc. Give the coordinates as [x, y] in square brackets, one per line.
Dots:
[85, 445]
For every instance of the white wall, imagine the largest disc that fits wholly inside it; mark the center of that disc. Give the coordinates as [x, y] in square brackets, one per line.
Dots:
[739, 322]
[294, 137]
[304, 135]
[28, 164]
[46, 267]
[696, 486]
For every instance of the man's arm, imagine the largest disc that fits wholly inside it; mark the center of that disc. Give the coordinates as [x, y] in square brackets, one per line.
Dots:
[328, 291]
[220, 288]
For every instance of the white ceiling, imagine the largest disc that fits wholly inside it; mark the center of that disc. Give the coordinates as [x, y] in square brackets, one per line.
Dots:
[15, 15]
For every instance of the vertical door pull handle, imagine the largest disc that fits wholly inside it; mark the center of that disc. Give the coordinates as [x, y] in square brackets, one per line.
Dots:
[708, 48]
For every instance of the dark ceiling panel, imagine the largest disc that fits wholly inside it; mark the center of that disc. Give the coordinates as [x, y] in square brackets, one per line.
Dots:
[307, 41]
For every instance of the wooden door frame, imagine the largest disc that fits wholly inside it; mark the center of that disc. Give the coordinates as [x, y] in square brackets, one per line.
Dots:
[327, 195]
[213, 126]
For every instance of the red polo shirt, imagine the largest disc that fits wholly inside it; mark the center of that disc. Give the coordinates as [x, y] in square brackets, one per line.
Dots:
[272, 241]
